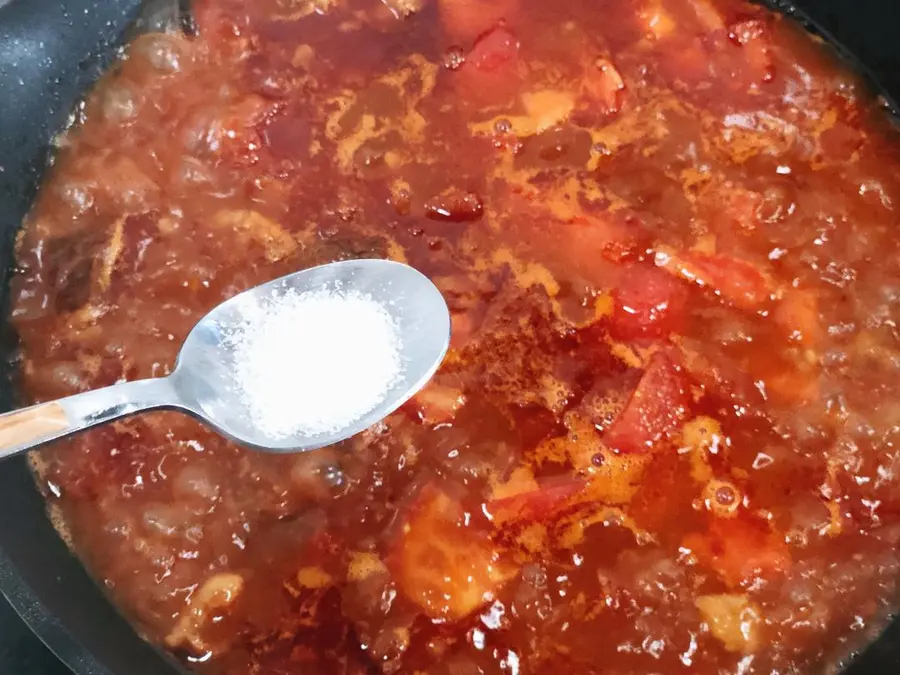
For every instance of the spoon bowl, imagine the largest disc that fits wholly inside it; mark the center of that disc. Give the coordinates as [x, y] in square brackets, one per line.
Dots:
[203, 375]
[203, 385]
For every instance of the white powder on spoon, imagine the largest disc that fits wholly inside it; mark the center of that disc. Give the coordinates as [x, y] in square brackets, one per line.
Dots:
[316, 361]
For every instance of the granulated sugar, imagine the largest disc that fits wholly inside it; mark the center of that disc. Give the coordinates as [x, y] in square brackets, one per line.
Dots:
[316, 361]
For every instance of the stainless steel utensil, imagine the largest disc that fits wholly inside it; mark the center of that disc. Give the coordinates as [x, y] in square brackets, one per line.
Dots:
[202, 383]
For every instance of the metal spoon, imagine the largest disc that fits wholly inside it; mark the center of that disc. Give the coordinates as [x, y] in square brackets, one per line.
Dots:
[202, 383]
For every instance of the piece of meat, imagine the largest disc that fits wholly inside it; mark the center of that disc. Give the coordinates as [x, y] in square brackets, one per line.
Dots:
[216, 593]
[127, 186]
[253, 227]
[733, 620]
[70, 263]
[740, 549]
[447, 567]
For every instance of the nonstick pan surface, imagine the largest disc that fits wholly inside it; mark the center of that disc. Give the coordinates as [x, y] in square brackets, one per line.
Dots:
[51, 51]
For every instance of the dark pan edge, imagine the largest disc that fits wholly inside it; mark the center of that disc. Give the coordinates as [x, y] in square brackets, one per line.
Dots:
[43, 624]
[879, 651]
[876, 83]
[102, 36]
[59, 49]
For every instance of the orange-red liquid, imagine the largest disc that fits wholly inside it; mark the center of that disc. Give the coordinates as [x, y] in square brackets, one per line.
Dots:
[664, 437]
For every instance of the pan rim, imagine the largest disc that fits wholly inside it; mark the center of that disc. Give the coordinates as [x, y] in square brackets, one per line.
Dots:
[80, 658]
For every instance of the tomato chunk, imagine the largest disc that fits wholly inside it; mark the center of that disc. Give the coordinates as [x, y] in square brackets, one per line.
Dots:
[736, 209]
[737, 282]
[494, 51]
[463, 330]
[491, 71]
[465, 20]
[647, 303]
[656, 407]
[447, 568]
[740, 549]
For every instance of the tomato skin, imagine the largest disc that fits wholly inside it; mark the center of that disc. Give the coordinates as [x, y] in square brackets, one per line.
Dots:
[648, 303]
[736, 282]
[490, 73]
[494, 51]
[465, 20]
[656, 407]
[537, 506]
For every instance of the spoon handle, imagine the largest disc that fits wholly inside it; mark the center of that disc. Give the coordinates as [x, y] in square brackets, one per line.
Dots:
[27, 428]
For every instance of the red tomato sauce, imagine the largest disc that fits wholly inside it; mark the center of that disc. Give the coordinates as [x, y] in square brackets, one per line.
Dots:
[664, 438]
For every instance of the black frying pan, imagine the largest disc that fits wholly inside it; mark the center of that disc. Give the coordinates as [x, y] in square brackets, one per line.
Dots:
[51, 51]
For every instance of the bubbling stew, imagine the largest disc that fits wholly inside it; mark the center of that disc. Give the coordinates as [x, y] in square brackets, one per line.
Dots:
[665, 438]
